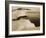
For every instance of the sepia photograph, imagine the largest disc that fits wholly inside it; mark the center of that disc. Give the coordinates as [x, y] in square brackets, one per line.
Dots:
[24, 19]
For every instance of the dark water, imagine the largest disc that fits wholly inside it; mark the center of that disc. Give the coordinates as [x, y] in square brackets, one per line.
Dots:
[36, 21]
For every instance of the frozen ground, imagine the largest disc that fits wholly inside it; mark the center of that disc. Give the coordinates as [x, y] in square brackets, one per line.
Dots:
[23, 24]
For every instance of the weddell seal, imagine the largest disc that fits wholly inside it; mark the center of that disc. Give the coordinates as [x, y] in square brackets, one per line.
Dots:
[21, 22]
